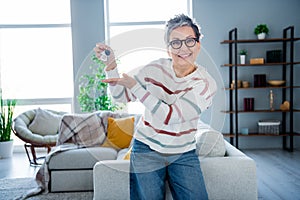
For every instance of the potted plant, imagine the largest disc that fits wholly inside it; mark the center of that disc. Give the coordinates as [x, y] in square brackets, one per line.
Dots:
[243, 54]
[261, 30]
[7, 111]
[93, 94]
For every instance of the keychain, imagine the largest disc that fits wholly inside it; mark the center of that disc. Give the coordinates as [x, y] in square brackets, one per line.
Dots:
[104, 55]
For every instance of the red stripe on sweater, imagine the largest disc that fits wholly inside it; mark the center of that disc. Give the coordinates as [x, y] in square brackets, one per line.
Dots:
[170, 133]
[162, 68]
[145, 97]
[210, 96]
[167, 90]
[169, 115]
[127, 96]
[205, 88]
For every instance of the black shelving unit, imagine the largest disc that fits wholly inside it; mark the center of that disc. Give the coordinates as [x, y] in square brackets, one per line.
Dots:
[287, 41]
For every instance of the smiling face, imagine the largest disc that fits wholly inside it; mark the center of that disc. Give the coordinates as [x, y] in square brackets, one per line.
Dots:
[184, 57]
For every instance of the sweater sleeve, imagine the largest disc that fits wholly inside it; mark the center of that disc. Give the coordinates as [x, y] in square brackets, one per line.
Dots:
[119, 93]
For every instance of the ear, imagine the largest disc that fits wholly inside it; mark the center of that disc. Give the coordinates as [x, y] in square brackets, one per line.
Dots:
[198, 46]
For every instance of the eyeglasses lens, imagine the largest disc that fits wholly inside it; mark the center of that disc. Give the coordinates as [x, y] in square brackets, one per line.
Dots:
[176, 44]
[190, 42]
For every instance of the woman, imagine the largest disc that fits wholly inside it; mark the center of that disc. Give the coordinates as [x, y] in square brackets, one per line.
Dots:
[175, 92]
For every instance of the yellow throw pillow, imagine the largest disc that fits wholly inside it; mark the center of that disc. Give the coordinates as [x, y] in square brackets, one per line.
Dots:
[127, 155]
[119, 132]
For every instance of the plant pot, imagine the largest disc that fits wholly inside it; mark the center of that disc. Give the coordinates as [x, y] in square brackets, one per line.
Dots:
[261, 36]
[6, 149]
[242, 59]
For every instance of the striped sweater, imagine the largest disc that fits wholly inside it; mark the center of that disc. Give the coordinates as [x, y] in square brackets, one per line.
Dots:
[172, 105]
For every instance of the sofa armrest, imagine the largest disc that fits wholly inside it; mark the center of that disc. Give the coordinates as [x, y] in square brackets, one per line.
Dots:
[232, 151]
[111, 179]
[230, 177]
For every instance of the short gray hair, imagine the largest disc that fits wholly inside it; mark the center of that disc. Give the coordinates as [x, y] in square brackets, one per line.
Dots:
[179, 21]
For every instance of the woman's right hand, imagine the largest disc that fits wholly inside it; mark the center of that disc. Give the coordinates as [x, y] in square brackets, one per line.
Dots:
[111, 61]
[126, 81]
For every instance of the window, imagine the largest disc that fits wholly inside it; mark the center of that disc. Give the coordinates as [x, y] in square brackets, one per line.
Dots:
[36, 50]
[36, 54]
[135, 30]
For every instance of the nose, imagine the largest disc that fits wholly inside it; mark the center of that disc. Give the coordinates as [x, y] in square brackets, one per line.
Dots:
[184, 47]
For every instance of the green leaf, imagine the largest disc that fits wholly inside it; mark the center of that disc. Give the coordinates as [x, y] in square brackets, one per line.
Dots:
[92, 92]
[6, 119]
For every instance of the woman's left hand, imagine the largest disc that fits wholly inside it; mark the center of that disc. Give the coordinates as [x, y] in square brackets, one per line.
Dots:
[126, 81]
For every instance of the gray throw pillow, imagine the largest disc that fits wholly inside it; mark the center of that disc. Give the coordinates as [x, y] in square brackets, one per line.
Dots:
[210, 143]
[45, 122]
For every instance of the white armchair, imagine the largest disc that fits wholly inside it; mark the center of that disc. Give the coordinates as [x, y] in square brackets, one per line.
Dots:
[37, 128]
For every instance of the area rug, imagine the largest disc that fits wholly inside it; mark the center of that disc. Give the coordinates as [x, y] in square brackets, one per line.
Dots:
[14, 189]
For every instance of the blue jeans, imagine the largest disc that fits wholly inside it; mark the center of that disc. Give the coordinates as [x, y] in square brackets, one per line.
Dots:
[150, 170]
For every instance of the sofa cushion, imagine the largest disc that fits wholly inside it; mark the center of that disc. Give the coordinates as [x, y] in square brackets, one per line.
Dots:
[45, 122]
[119, 132]
[210, 143]
[82, 158]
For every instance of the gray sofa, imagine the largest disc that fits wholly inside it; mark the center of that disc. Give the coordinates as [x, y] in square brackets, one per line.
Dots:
[232, 177]
[72, 170]
[228, 173]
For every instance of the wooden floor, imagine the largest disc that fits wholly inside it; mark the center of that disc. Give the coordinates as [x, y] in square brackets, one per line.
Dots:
[278, 172]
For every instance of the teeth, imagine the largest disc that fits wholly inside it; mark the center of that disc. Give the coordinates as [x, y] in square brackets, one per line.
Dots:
[184, 55]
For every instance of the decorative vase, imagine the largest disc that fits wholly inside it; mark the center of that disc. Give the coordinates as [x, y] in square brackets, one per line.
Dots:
[261, 36]
[242, 59]
[6, 149]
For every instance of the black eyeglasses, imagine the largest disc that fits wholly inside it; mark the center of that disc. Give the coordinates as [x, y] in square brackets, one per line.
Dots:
[189, 42]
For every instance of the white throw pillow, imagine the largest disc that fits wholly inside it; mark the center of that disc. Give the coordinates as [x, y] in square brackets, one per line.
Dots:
[210, 143]
[45, 122]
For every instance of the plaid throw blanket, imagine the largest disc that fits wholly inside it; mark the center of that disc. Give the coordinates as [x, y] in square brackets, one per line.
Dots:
[76, 131]
[82, 129]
